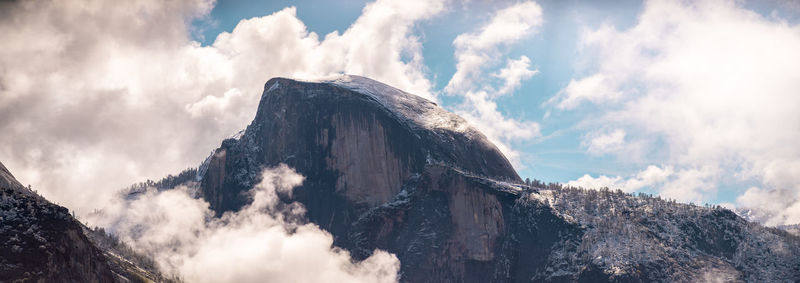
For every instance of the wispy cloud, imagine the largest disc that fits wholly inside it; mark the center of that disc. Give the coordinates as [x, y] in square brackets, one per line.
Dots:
[475, 50]
[475, 53]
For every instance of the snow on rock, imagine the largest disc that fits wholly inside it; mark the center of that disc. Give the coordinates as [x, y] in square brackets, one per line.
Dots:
[41, 241]
[415, 109]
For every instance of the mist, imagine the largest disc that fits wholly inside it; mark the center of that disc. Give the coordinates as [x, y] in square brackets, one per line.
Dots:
[265, 241]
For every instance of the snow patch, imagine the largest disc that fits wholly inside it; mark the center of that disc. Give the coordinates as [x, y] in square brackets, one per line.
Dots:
[238, 135]
[201, 171]
[274, 86]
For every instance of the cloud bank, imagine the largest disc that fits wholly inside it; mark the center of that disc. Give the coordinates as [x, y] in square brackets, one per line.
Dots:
[96, 95]
[707, 88]
[265, 241]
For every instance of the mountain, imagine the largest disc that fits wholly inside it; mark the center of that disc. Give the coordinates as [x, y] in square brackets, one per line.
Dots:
[389, 170]
[42, 242]
[385, 169]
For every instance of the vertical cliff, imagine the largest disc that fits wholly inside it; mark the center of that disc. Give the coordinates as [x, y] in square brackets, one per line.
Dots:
[362, 145]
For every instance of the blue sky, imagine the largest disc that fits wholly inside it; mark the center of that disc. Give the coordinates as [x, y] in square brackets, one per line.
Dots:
[691, 100]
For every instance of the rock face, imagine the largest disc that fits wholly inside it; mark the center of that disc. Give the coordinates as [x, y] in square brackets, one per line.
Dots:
[362, 137]
[363, 145]
[389, 170]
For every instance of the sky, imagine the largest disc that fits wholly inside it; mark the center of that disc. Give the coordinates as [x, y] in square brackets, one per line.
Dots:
[691, 100]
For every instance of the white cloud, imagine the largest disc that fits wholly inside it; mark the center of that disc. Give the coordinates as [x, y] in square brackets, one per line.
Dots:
[514, 73]
[216, 106]
[691, 184]
[776, 207]
[599, 143]
[603, 181]
[709, 86]
[96, 95]
[480, 111]
[262, 241]
[475, 50]
[376, 42]
[651, 176]
[595, 88]
[475, 53]
[686, 184]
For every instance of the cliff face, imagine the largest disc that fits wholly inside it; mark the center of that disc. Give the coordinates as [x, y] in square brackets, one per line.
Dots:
[41, 240]
[389, 170]
[363, 145]
[359, 144]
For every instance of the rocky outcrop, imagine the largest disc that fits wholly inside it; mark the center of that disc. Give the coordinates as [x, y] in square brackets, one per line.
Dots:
[41, 242]
[390, 170]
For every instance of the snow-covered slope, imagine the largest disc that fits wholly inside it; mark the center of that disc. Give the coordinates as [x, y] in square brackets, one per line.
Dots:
[41, 242]
[648, 238]
[414, 110]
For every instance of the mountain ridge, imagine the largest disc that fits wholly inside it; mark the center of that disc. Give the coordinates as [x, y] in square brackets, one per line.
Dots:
[453, 209]
[43, 242]
[386, 170]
